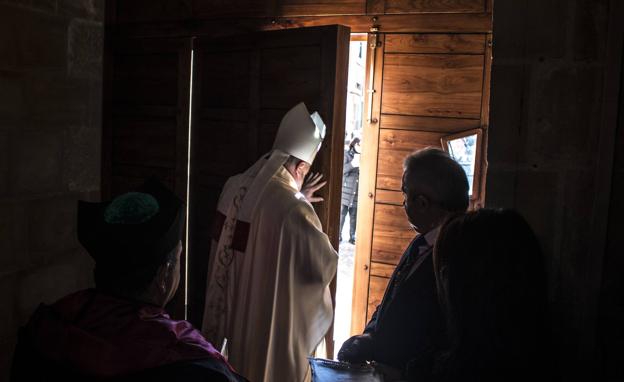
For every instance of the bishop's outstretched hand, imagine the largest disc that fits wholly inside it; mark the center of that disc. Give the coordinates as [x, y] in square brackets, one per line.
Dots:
[311, 185]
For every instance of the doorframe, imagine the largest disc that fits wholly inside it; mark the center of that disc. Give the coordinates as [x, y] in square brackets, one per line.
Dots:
[367, 181]
[368, 173]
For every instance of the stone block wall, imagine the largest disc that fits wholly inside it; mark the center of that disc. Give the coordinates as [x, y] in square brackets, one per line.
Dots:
[50, 148]
[548, 77]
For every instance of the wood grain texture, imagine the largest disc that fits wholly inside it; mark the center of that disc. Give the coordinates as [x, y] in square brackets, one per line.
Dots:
[233, 8]
[433, 124]
[381, 269]
[368, 176]
[226, 79]
[335, 53]
[130, 131]
[146, 11]
[377, 288]
[433, 85]
[429, 23]
[419, 6]
[320, 7]
[389, 197]
[414, 23]
[375, 7]
[288, 74]
[485, 119]
[143, 78]
[392, 234]
[152, 10]
[404, 140]
[435, 43]
[148, 106]
[394, 146]
[146, 122]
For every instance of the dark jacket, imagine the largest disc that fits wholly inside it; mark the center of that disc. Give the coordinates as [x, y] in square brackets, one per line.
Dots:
[350, 179]
[409, 325]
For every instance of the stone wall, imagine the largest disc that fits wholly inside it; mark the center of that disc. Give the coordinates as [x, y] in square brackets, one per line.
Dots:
[548, 77]
[50, 139]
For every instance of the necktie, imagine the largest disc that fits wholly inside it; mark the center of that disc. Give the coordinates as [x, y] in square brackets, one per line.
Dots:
[404, 269]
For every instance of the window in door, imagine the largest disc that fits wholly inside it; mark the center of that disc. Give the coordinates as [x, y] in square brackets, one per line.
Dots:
[465, 148]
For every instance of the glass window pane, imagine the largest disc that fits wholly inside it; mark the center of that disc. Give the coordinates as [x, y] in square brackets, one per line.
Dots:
[464, 151]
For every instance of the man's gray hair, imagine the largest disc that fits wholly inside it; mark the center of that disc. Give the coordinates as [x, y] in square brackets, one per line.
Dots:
[434, 173]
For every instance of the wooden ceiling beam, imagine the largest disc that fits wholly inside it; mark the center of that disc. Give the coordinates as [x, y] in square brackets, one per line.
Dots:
[407, 23]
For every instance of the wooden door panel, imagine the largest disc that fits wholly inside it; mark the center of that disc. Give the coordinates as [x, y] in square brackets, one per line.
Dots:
[243, 85]
[440, 85]
[425, 86]
[130, 130]
[442, 125]
[145, 132]
[320, 7]
[375, 294]
[407, 140]
[227, 86]
[389, 197]
[419, 6]
[435, 43]
[290, 73]
[233, 8]
[147, 105]
[222, 154]
[152, 10]
[391, 235]
[381, 269]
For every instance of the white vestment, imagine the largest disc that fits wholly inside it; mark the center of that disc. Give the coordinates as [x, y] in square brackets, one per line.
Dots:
[272, 301]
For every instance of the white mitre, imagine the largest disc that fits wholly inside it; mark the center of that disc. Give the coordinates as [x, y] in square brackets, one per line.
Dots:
[300, 133]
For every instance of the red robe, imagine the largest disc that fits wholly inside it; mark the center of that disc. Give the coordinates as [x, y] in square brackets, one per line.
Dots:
[98, 335]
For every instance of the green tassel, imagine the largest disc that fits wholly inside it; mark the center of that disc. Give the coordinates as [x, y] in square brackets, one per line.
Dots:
[131, 208]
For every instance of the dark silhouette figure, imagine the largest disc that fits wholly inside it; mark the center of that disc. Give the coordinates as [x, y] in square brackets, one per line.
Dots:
[492, 288]
[350, 180]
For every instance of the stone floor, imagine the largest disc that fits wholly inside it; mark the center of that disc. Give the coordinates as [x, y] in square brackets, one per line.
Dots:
[344, 290]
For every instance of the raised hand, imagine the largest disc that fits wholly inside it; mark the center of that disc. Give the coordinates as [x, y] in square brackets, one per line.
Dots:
[311, 185]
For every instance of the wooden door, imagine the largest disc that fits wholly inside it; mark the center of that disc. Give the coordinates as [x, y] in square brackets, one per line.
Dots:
[242, 86]
[146, 104]
[423, 87]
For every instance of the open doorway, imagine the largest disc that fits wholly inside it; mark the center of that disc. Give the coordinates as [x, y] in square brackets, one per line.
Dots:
[348, 211]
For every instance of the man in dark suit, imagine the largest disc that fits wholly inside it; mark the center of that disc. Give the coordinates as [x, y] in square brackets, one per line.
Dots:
[407, 326]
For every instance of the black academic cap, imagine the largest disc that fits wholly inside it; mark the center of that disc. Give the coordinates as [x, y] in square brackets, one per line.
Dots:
[134, 230]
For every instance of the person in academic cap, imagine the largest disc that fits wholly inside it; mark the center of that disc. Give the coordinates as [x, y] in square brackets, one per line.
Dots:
[120, 330]
[270, 262]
